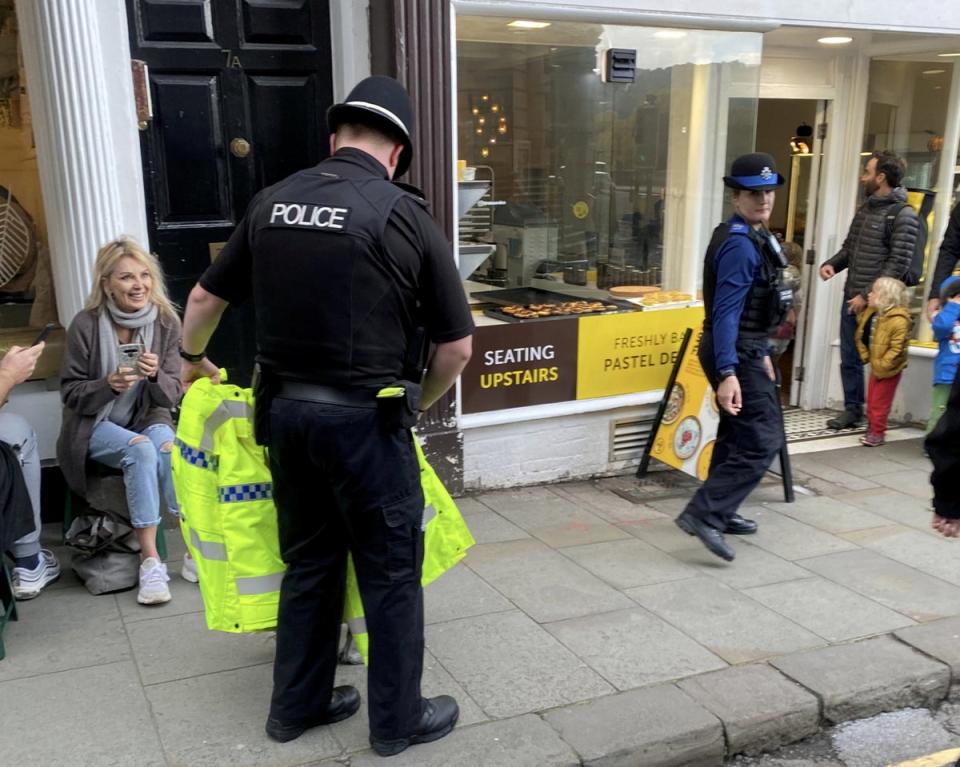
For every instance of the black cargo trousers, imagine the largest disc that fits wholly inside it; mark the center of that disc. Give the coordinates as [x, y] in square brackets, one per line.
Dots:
[746, 443]
[342, 483]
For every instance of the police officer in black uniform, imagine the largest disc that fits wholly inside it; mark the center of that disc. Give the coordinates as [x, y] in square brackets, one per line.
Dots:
[744, 300]
[344, 267]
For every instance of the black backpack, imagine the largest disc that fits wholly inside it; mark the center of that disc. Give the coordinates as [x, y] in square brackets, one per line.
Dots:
[915, 271]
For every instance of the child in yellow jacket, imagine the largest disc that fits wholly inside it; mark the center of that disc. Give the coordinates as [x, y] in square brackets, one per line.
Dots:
[882, 337]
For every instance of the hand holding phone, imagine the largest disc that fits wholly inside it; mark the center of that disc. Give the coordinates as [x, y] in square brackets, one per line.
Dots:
[128, 357]
[44, 332]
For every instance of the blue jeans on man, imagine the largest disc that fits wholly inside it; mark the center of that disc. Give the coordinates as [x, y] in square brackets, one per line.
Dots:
[851, 368]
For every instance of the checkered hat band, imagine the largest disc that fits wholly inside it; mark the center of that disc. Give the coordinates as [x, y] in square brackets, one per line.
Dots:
[257, 491]
[195, 455]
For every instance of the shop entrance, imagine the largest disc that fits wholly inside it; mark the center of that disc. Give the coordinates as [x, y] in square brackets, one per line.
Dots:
[239, 93]
[793, 131]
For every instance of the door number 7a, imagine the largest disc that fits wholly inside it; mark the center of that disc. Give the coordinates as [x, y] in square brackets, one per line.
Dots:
[232, 62]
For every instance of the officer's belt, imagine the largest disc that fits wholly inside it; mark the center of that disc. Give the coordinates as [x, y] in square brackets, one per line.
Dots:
[330, 395]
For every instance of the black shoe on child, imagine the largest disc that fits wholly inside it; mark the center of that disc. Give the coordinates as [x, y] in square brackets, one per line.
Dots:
[439, 716]
[846, 420]
[344, 703]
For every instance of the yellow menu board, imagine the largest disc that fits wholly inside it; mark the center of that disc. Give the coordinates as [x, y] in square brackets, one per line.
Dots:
[686, 433]
[625, 353]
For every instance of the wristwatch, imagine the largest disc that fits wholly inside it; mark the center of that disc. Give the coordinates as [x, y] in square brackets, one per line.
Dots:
[192, 358]
[723, 375]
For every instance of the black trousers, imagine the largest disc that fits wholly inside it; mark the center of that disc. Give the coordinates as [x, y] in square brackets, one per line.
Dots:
[746, 443]
[343, 484]
[943, 447]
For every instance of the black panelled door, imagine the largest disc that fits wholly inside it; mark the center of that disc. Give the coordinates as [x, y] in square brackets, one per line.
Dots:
[240, 90]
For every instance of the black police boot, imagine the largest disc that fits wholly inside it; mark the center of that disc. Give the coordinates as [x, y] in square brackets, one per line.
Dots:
[344, 703]
[737, 525]
[846, 420]
[709, 536]
[439, 716]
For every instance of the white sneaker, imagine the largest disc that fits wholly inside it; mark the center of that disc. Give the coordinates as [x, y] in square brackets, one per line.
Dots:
[153, 582]
[189, 570]
[28, 584]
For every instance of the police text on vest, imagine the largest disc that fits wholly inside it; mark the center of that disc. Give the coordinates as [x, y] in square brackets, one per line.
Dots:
[309, 215]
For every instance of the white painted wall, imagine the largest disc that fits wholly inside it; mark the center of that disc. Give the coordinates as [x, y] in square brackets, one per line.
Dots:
[350, 41]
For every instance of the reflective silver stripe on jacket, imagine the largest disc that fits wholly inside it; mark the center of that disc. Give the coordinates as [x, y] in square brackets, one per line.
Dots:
[208, 549]
[357, 625]
[259, 584]
[229, 408]
[429, 512]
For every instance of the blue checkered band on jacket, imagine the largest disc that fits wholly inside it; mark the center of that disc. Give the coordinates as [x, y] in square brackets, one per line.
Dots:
[195, 455]
[256, 491]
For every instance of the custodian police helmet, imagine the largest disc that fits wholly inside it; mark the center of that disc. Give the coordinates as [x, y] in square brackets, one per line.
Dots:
[380, 102]
[753, 172]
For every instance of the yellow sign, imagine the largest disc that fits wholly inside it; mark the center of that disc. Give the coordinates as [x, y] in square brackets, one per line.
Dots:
[688, 429]
[626, 353]
[581, 209]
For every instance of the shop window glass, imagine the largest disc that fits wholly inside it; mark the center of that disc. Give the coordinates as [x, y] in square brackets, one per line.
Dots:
[602, 184]
[907, 111]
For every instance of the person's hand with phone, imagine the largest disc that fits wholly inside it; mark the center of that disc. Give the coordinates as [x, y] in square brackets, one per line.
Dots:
[125, 378]
[148, 365]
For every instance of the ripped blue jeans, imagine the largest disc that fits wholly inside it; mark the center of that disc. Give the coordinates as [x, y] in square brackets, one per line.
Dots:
[145, 465]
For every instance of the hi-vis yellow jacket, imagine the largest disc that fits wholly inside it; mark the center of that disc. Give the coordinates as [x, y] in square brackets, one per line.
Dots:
[229, 522]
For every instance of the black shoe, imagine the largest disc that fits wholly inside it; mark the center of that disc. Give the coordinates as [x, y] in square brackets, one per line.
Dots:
[709, 536]
[845, 420]
[344, 703]
[439, 716]
[737, 525]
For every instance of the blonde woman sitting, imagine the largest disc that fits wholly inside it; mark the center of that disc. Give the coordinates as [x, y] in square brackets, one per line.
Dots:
[120, 380]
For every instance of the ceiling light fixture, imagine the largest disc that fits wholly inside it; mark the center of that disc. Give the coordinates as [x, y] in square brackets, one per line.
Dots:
[933, 71]
[836, 40]
[670, 34]
[948, 55]
[527, 24]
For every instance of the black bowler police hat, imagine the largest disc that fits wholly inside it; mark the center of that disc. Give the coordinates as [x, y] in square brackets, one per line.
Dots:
[754, 172]
[380, 102]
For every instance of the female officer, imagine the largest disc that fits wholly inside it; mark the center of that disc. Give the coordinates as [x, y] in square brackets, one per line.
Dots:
[744, 300]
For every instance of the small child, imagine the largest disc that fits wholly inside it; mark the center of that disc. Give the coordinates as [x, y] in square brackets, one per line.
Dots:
[946, 330]
[882, 337]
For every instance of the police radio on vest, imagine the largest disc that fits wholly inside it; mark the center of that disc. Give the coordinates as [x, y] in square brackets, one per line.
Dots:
[309, 215]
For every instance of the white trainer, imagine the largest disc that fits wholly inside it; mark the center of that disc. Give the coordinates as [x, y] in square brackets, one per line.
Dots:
[28, 584]
[189, 570]
[153, 582]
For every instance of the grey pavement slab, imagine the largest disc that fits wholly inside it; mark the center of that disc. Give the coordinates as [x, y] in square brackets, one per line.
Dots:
[858, 680]
[938, 639]
[634, 648]
[461, 593]
[216, 719]
[793, 540]
[181, 646]
[655, 727]
[727, 623]
[554, 520]
[925, 551]
[185, 599]
[856, 461]
[753, 567]
[524, 741]
[915, 482]
[897, 507]
[489, 527]
[904, 589]
[830, 471]
[354, 733]
[628, 563]
[510, 665]
[759, 707]
[541, 582]
[660, 533]
[605, 504]
[63, 629]
[829, 515]
[828, 610]
[89, 716]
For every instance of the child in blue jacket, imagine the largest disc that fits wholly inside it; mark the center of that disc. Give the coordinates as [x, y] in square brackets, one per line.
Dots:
[946, 330]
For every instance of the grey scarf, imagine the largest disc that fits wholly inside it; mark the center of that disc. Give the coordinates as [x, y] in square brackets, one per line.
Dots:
[141, 321]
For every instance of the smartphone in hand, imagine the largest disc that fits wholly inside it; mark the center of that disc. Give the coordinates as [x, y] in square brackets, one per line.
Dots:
[128, 356]
[42, 335]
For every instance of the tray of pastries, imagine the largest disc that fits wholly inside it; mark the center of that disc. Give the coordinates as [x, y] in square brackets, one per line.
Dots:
[551, 310]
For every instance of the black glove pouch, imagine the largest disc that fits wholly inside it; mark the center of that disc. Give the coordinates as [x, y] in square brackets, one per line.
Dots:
[264, 386]
[400, 412]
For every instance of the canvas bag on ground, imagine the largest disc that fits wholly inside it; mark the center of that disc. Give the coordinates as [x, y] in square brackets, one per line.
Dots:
[106, 552]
